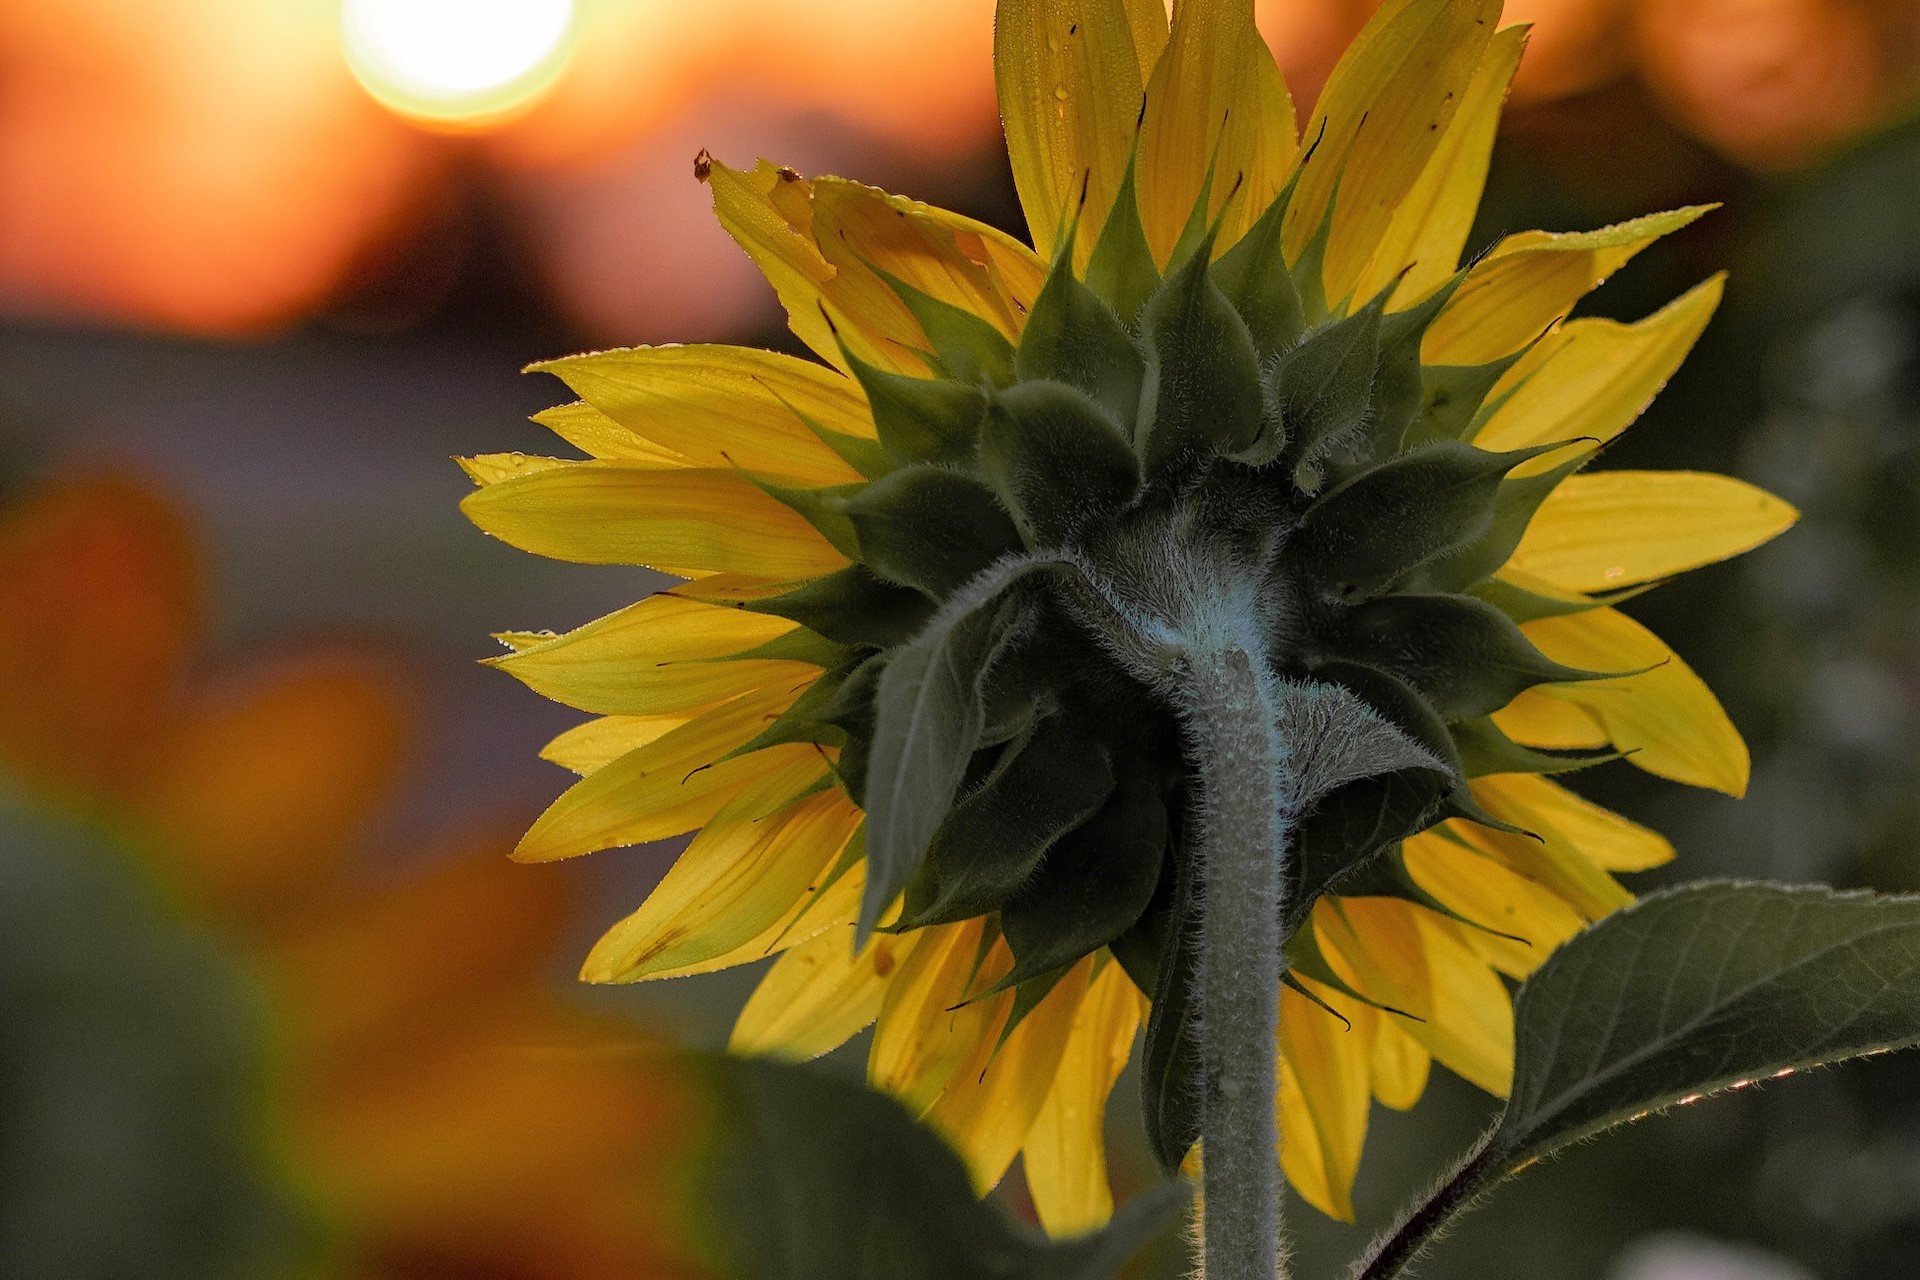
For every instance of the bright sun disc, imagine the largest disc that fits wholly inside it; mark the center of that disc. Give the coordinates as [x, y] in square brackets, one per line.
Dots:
[457, 61]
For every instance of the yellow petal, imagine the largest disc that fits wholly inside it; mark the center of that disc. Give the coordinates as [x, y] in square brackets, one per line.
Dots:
[742, 874]
[599, 742]
[1329, 1064]
[1612, 529]
[1400, 1065]
[861, 230]
[1386, 106]
[1590, 379]
[723, 407]
[1529, 281]
[826, 904]
[1215, 101]
[1404, 956]
[662, 655]
[992, 1101]
[492, 468]
[667, 787]
[1522, 921]
[820, 994]
[593, 432]
[1604, 837]
[614, 513]
[1429, 227]
[1537, 720]
[729, 588]
[1666, 716]
[928, 1026]
[775, 228]
[1546, 855]
[1069, 76]
[1066, 1151]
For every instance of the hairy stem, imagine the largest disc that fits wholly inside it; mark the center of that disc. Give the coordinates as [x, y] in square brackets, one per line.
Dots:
[1407, 1239]
[1246, 810]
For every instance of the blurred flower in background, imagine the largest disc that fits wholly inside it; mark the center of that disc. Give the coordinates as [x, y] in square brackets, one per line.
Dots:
[421, 1106]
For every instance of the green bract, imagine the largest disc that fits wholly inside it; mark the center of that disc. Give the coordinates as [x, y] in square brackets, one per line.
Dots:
[1204, 451]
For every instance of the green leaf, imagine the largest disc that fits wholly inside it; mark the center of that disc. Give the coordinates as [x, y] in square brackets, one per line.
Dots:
[805, 720]
[1398, 377]
[1254, 278]
[969, 349]
[1059, 461]
[1170, 1083]
[1121, 269]
[1464, 656]
[823, 508]
[851, 606]
[1350, 828]
[991, 841]
[1484, 748]
[1318, 393]
[1513, 508]
[1368, 532]
[1091, 887]
[1451, 396]
[863, 453]
[1686, 992]
[1203, 376]
[921, 419]
[811, 1177]
[930, 528]
[929, 714]
[1072, 336]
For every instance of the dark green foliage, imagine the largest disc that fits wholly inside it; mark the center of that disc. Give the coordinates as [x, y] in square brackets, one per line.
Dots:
[968, 348]
[1058, 459]
[1170, 1084]
[824, 509]
[1451, 396]
[1042, 786]
[1073, 337]
[1465, 657]
[1485, 749]
[1513, 507]
[1413, 508]
[1202, 387]
[1318, 394]
[853, 607]
[1686, 992]
[1093, 884]
[1253, 277]
[921, 419]
[928, 716]
[809, 1177]
[1121, 268]
[1397, 375]
[930, 528]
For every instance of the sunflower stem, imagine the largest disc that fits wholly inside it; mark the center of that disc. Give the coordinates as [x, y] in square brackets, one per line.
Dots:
[1246, 813]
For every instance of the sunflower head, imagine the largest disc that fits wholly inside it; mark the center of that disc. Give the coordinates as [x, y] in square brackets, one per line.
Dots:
[944, 589]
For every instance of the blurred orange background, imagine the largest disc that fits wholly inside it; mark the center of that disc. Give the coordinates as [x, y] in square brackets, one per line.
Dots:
[213, 166]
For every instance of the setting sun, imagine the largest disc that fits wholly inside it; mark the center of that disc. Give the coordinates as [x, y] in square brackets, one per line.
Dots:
[459, 62]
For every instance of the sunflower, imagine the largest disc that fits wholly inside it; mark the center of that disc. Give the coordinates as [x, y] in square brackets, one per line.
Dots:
[920, 693]
[423, 1100]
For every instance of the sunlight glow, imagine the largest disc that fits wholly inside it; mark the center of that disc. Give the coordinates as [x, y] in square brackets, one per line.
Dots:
[462, 63]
